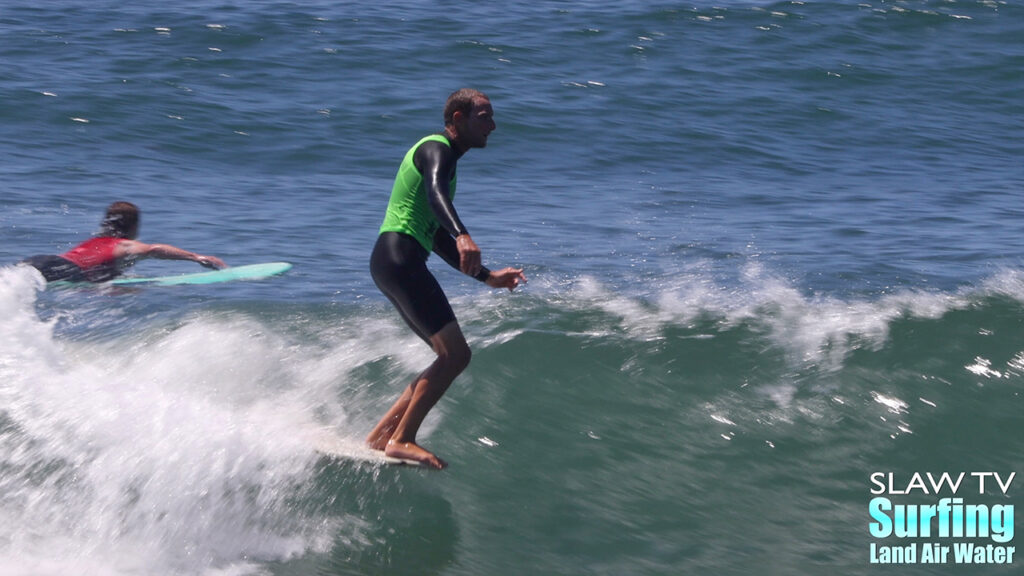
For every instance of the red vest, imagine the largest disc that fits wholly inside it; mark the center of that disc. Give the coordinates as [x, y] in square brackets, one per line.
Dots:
[94, 252]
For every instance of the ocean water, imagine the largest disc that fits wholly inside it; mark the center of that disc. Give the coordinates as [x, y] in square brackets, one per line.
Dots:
[774, 253]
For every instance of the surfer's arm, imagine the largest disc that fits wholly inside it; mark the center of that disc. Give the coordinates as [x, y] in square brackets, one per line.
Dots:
[437, 164]
[447, 248]
[134, 250]
[444, 246]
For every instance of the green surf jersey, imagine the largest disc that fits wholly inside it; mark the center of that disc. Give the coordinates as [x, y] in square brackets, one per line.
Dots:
[408, 210]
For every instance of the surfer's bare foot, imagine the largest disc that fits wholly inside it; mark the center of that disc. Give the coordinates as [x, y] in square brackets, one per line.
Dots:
[412, 451]
[378, 444]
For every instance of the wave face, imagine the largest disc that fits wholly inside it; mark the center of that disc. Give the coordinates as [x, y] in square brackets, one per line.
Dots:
[186, 447]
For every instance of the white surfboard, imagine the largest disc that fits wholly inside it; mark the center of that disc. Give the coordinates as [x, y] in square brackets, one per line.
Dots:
[333, 446]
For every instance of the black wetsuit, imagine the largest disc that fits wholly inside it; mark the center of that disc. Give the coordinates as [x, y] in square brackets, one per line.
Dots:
[91, 261]
[54, 267]
[398, 263]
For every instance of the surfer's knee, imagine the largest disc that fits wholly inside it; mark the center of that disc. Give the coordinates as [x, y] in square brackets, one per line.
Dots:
[451, 348]
[462, 357]
[453, 352]
[455, 357]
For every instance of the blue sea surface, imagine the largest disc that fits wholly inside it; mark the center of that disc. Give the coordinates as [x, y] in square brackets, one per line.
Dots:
[773, 248]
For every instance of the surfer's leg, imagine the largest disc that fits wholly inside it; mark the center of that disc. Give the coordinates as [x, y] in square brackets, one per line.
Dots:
[399, 269]
[453, 356]
[54, 267]
[398, 265]
[385, 429]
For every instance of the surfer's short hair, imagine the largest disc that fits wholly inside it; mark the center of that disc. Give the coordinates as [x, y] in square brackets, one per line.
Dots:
[120, 221]
[460, 101]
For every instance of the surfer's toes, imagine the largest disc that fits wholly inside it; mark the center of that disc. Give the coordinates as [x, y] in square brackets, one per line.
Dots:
[412, 451]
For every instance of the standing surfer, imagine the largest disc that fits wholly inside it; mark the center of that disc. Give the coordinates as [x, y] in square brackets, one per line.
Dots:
[421, 219]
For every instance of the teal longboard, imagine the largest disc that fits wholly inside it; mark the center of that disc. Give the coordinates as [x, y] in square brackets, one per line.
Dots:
[247, 272]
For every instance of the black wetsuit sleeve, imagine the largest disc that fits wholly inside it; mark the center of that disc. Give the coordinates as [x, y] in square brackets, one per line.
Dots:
[437, 164]
[444, 246]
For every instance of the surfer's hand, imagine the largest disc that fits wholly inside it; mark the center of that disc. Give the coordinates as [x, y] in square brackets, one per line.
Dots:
[506, 278]
[469, 255]
[211, 262]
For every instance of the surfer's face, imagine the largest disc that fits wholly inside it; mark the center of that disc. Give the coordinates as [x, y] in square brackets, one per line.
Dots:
[477, 125]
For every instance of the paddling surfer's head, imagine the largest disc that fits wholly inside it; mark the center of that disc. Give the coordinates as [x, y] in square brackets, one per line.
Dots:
[121, 221]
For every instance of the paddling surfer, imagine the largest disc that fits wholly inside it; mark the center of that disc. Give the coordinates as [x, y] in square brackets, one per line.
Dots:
[421, 219]
[106, 255]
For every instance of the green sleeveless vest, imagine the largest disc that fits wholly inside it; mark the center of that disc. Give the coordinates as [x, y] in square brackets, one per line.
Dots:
[408, 210]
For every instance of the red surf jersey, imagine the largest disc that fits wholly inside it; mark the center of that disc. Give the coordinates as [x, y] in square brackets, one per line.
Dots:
[94, 252]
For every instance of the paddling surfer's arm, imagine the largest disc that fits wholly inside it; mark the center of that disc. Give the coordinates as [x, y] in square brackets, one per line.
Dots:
[134, 250]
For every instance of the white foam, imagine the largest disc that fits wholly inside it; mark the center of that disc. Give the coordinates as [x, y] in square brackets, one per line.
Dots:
[172, 452]
[810, 328]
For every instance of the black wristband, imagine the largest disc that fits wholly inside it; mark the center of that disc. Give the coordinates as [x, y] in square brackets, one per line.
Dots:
[483, 274]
